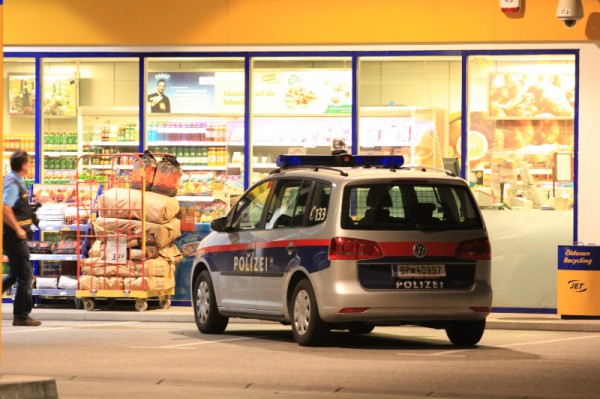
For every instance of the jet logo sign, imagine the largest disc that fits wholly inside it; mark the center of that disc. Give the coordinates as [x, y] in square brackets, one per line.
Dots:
[577, 286]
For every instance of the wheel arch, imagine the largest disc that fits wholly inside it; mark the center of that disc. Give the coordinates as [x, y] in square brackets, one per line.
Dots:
[198, 268]
[294, 279]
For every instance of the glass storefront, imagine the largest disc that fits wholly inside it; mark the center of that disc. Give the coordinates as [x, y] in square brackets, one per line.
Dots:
[299, 106]
[521, 133]
[506, 122]
[90, 106]
[19, 111]
[195, 110]
[519, 109]
[406, 105]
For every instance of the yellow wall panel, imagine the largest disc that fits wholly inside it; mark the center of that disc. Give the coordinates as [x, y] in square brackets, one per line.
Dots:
[223, 22]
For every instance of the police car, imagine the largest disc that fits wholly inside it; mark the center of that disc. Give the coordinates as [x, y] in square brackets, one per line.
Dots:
[348, 242]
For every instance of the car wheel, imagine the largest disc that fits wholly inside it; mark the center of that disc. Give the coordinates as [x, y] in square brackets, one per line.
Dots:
[207, 316]
[307, 326]
[361, 329]
[466, 333]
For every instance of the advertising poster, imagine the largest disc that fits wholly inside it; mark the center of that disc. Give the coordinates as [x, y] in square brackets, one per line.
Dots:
[525, 96]
[302, 92]
[21, 95]
[195, 92]
[60, 96]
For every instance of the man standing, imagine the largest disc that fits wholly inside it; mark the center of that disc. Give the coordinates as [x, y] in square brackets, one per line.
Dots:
[159, 102]
[18, 217]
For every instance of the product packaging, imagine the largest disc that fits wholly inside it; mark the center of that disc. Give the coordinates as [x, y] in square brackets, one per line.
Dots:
[148, 165]
[167, 177]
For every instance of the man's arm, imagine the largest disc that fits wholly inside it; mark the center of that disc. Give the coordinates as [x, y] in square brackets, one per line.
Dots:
[11, 221]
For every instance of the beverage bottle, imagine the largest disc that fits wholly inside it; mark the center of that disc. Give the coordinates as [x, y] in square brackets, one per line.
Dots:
[195, 156]
[205, 156]
[202, 131]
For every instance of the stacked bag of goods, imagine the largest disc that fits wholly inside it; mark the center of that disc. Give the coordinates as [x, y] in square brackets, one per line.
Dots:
[116, 261]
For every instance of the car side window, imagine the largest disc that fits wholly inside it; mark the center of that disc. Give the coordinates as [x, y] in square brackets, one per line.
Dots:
[283, 204]
[249, 209]
[319, 206]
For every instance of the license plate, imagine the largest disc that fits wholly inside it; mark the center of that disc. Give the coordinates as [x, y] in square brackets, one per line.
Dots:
[418, 271]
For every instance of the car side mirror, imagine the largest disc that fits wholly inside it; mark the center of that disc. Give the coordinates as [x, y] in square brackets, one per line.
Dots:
[219, 225]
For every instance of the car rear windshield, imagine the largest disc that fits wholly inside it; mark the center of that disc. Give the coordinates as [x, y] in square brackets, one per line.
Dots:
[404, 206]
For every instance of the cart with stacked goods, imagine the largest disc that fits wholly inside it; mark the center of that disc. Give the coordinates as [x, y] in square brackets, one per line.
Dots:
[129, 250]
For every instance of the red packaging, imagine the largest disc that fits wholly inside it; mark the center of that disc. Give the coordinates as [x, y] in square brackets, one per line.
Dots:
[149, 165]
[167, 177]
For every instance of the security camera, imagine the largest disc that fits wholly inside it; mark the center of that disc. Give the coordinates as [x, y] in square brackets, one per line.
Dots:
[569, 11]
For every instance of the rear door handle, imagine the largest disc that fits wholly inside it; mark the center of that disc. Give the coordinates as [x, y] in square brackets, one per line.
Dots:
[291, 249]
[249, 251]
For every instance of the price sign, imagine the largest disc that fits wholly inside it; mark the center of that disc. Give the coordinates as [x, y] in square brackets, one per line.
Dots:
[116, 250]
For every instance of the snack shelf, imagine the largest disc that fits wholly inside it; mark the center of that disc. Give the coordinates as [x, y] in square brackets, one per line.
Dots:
[195, 198]
[114, 143]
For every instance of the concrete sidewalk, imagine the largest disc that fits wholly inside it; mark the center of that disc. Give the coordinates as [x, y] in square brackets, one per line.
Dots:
[498, 321]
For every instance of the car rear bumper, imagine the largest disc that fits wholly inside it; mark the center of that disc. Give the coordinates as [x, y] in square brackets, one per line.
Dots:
[341, 298]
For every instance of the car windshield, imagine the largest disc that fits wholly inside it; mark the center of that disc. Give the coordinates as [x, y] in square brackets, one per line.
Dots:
[409, 206]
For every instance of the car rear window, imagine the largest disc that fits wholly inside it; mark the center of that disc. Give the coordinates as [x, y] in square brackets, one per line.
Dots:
[407, 206]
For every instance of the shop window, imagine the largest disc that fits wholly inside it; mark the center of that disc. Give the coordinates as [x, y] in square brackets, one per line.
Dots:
[299, 106]
[90, 106]
[195, 111]
[407, 106]
[521, 130]
[19, 112]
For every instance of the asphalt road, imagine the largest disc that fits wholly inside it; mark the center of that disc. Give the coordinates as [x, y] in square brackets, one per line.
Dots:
[260, 360]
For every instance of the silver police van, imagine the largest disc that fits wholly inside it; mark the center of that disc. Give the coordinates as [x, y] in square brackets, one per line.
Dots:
[348, 242]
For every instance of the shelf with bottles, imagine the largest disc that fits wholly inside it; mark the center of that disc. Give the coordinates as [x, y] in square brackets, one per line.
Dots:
[186, 131]
[60, 142]
[208, 157]
[13, 142]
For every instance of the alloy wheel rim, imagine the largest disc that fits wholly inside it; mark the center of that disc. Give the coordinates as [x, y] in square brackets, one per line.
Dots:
[302, 312]
[203, 301]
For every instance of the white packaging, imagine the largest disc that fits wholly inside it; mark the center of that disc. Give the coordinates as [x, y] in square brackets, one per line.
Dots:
[44, 283]
[67, 283]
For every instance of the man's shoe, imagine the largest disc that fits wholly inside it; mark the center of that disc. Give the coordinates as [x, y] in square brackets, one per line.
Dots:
[28, 322]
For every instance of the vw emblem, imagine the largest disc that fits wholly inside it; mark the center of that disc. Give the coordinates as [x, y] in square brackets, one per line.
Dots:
[420, 250]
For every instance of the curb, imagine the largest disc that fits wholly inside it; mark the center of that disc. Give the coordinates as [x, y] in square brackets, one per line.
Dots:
[15, 387]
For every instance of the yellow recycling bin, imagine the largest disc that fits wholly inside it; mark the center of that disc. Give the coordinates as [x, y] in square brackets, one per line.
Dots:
[578, 281]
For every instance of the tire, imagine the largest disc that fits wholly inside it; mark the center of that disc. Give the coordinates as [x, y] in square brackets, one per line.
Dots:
[361, 329]
[466, 333]
[89, 304]
[164, 302]
[307, 327]
[141, 305]
[207, 316]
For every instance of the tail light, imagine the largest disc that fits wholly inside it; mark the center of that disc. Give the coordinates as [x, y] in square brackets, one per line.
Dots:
[478, 249]
[343, 248]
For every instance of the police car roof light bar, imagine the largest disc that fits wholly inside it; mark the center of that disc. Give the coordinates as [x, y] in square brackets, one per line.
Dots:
[342, 160]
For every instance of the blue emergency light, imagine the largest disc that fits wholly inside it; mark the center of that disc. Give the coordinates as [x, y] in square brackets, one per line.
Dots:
[342, 160]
